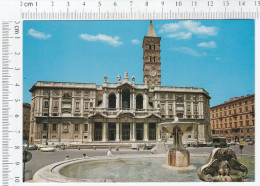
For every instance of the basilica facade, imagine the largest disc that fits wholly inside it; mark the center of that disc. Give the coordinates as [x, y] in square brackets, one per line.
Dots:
[118, 113]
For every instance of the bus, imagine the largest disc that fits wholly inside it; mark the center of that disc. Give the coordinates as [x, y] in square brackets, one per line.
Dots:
[219, 142]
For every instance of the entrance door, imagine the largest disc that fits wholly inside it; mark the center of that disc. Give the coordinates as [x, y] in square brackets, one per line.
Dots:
[111, 131]
[126, 131]
[97, 131]
[139, 131]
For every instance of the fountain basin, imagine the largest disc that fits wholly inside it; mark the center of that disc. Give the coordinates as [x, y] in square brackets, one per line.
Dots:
[139, 168]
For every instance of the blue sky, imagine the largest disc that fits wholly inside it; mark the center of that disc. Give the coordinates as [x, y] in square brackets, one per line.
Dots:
[217, 55]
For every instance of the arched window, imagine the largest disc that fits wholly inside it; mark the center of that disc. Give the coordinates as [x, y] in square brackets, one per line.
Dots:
[126, 99]
[139, 101]
[112, 101]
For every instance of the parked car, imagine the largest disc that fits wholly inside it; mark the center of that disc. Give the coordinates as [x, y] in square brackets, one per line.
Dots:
[251, 143]
[148, 146]
[32, 147]
[219, 142]
[134, 146]
[41, 146]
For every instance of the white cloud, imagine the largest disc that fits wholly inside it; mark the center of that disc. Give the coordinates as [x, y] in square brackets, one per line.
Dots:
[194, 27]
[180, 35]
[37, 34]
[114, 41]
[189, 51]
[135, 41]
[210, 44]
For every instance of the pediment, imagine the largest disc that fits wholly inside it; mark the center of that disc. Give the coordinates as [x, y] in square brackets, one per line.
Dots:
[97, 115]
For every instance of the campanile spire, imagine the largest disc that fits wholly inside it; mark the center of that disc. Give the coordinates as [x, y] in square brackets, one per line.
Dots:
[151, 58]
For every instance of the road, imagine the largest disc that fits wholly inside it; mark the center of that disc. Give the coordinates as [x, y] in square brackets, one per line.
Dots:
[42, 159]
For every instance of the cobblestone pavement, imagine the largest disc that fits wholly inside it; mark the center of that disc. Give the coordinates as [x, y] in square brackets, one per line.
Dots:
[41, 159]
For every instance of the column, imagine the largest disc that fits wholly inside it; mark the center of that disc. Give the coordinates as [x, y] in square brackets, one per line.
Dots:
[81, 105]
[50, 106]
[145, 131]
[117, 100]
[105, 99]
[90, 132]
[167, 108]
[59, 106]
[104, 131]
[134, 101]
[117, 132]
[131, 131]
[71, 130]
[145, 101]
[41, 105]
[72, 106]
[158, 133]
[120, 132]
[37, 106]
[185, 109]
[134, 132]
[59, 132]
[192, 111]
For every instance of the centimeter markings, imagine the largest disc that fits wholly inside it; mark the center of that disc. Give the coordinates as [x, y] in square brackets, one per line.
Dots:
[11, 107]
[141, 9]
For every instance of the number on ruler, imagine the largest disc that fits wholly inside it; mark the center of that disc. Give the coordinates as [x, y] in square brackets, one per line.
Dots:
[17, 85]
[115, 4]
[162, 3]
[16, 53]
[242, 3]
[68, 3]
[52, 3]
[225, 3]
[16, 179]
[146, 3]
[178, 3]
[17, 100]
[16, 68]
[17, 163]
[99, 3]
[16, 147]
[131, 3]
[84, 3]
[210, 3]
[194, 3]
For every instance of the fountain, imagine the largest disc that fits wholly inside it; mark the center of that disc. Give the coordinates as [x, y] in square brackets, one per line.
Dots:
[178, 158]
[223, 166]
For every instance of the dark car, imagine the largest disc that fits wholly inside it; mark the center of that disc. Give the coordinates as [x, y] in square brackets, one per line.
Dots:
[32, 147]
[148, 146]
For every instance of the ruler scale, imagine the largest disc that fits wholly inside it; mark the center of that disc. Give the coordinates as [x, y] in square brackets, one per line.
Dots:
[11, 104]
[11, 45]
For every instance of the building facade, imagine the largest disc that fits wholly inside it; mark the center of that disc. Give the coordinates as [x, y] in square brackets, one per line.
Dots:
[26, 120]
[120, 112]
[234, 119]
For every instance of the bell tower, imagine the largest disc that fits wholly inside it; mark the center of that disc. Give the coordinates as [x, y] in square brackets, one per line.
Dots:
[151, 58]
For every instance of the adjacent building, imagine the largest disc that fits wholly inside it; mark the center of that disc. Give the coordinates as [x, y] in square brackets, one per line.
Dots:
[120, 112]
[26, 120]
[234, 119]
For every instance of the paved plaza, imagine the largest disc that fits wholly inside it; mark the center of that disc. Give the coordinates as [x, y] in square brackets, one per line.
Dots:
[42, 159]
